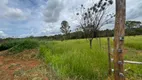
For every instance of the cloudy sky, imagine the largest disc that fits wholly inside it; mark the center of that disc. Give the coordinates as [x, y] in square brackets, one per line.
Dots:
[21, 18]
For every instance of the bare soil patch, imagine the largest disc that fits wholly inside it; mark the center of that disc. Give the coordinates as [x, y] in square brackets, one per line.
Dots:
[22, 66]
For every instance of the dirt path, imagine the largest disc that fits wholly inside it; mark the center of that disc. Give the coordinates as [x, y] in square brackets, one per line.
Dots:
[22, 66]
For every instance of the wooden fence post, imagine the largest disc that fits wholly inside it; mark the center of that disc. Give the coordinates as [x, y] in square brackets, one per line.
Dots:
[119, 39]
[109, 58]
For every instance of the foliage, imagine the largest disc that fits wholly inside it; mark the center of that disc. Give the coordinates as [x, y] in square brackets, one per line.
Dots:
[24, 45]
[132, 24]
[19, 45]
[65, 28]
[9, 44]
[80, 34]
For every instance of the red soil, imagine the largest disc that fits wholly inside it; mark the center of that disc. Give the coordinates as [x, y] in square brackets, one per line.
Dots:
[10, 64]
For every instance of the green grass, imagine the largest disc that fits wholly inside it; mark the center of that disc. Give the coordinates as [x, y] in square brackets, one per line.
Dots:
[19, 45]
[74, 58]
[134, 53]
[134, 42]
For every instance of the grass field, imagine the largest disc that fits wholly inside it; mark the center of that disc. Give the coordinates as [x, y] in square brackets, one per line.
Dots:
[74, 60]
[134, 42]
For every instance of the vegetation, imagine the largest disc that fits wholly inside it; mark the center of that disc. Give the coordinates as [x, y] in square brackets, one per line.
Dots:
[132, 24]
[25, 44]
[65, 28]
[79, 34]
[94, 17]
[73, 59]
[19, 45]
[134, 42]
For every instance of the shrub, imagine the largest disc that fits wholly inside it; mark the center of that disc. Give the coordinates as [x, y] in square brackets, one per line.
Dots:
[24, 44]
[9, 44]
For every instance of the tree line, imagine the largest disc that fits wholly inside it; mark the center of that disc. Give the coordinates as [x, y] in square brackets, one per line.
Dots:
[131, 30]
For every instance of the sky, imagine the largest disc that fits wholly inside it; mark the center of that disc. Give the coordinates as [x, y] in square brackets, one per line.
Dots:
[22, 18]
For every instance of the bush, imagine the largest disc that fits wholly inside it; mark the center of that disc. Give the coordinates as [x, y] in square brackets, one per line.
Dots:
[24, 44]
[9, 44]
[20, 45]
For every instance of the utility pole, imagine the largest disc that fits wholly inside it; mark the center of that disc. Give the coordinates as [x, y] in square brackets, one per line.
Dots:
[119, 39]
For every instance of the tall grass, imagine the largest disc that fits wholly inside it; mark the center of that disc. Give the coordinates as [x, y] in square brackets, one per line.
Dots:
[134, 42]
[75, 59]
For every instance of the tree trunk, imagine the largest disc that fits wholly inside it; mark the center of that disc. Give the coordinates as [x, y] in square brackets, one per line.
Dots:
[100, 43]
[91, 42]
[99, 39]
[64, 37]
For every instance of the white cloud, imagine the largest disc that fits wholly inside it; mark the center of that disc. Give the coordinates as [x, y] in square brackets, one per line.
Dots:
[133, 8]
[10, 13]
[15, 14]
[46, 19]
[3, 3]
[56, 11]
[2, 34]
[52, 10]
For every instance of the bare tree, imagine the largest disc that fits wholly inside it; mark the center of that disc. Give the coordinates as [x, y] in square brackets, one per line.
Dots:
[65, 28]
[93, 18]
